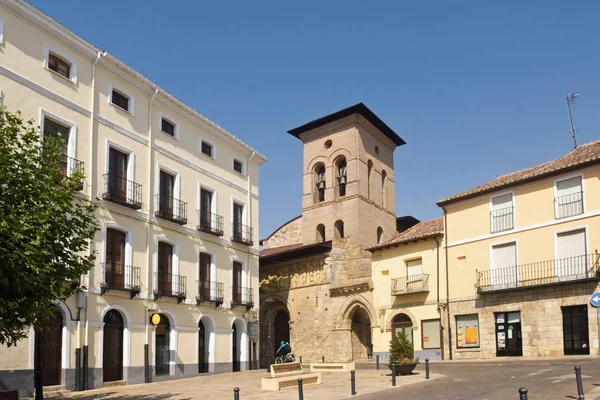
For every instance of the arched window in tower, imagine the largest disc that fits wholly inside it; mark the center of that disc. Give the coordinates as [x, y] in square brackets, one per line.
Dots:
[369, 169]
[339, 229]
[320, 233]
[383, 190]
[379, 235]
[319, 179]
[342, 178]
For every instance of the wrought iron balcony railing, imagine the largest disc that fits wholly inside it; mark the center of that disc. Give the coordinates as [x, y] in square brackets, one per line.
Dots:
[171, 209]
[568, 205]
[117, 276]
[242, 296]
[502, 219]
[242, 234]
[209, 292]
[584, 267]
[410, 284]
[67, 165]
[122, 191]
[210, 223]
[170, 285]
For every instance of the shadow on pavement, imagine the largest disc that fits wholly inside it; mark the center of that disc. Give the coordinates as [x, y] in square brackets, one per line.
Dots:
[115, 396]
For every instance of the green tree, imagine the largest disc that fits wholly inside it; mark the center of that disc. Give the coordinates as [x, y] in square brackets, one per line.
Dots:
[401, 350]
[45, 228]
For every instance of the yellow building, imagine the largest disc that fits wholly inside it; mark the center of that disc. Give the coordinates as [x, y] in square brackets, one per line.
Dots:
[178, 200]
[522, 261]
[407, 289]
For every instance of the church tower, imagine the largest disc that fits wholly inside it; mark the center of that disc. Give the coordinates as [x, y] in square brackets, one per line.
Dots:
[348, 178]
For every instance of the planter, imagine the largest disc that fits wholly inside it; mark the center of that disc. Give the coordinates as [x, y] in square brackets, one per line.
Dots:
[403, 369]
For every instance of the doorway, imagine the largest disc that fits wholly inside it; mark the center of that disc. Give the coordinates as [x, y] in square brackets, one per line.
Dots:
[360, 331]
[282, 328]
[48, 346]
[202, 349]
[509, 340]
[235, 350]
[163, 345]
[112, 361]
[575, 330]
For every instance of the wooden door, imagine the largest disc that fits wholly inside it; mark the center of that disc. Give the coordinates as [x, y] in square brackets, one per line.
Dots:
[112, 361]
[235, 351]
[202, 361]
[167, 189]
[238, 212]
[115, 257]
[206, 209]
[204, 274]
[165, 267]
[49, 348]
[237, 282]
[117, 170]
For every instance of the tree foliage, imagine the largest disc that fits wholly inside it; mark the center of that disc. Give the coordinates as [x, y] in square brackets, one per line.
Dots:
[401, 350]
[45, 227]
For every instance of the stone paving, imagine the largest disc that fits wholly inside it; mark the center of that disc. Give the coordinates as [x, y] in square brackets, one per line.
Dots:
[335, 386]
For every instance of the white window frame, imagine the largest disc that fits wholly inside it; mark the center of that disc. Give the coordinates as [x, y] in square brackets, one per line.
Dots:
[124, 92]
[170, 120]
[244, 275]
[72, 142]
[175, 260]
[130, 162]
[243, 173]
[128, 245]
[213, 266]
[214, 149]
[566, 178]
[73, 68]
[213, 203]
[514, 206]
[1, 31]
[504, 243]
[237, 201]
[1, 98]
[407, 266]
[177, 175]
[572, 229]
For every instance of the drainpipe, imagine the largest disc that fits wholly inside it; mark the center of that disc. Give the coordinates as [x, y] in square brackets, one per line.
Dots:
[149, 232]
[249, 188]
[447, 283]
[437, 296]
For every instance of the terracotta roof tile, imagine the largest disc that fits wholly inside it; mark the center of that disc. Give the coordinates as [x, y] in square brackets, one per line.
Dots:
[582, 155]
[281, 249]
[422, 230]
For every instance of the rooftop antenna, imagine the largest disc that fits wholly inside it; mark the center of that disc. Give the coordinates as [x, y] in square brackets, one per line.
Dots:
[570, 99]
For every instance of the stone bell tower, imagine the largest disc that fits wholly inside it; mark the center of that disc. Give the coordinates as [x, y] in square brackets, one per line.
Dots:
[348, 178]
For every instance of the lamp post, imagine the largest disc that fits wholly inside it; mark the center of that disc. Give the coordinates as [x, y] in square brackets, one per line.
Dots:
[269, 301]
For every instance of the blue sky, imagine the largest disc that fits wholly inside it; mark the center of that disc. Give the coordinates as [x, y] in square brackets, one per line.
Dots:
[477, 89]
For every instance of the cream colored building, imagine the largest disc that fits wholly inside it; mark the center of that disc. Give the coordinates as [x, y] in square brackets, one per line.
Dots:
[178, 216]
[523, 262]
[407, 289]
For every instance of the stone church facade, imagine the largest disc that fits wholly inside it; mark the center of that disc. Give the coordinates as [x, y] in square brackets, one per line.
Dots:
[315, 267]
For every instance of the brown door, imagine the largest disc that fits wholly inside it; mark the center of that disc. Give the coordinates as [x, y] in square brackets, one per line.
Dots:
[237, 282]
[204, 272]
[167, 188]
[117, 170]
[115, 258]
[202, 364]
[165, 267]
[50, 340]
[205, 209]
[112, 361]
[238, 212]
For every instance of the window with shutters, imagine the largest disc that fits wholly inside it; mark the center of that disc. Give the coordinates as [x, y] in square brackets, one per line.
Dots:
[504, 272]
[58, 62]
[571, 255]
[569, 198]
[502, 213]
[59, 65]
[120, 100]
[167, 127]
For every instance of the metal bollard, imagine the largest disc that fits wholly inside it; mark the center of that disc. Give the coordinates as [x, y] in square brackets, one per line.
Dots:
[300, 359]
[580, 393]
[236, 393]
[322, 359]
[352, 383]
[523, 393]
[377, 361]
[427, 368]
[300, 391]
[393, 374]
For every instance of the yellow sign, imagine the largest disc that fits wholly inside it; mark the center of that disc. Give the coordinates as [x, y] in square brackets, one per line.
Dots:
[155, 319]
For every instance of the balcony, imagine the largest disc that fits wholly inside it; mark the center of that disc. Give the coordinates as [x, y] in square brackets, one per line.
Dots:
[242, 234]
[171, 209]
[170, 285]
[502, 219]
[118, 276]
[210, 223]
[568, 205]
[242, 296]
[544, 273]
[411, 284]
[209, 292]
[122, 191]
[67, 165]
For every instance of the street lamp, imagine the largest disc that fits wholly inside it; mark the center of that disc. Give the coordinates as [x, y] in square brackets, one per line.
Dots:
[269, 301]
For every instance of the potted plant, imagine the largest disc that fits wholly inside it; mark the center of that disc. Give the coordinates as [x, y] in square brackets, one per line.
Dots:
[402, 355]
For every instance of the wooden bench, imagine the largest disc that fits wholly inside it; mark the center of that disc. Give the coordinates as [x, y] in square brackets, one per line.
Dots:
[285, 376]
[332, 367]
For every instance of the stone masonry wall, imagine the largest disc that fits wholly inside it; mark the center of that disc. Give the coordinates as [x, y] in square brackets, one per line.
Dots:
[290, 233]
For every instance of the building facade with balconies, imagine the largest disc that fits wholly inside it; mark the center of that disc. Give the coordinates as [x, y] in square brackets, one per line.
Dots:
[523, 262]
[172, 293]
